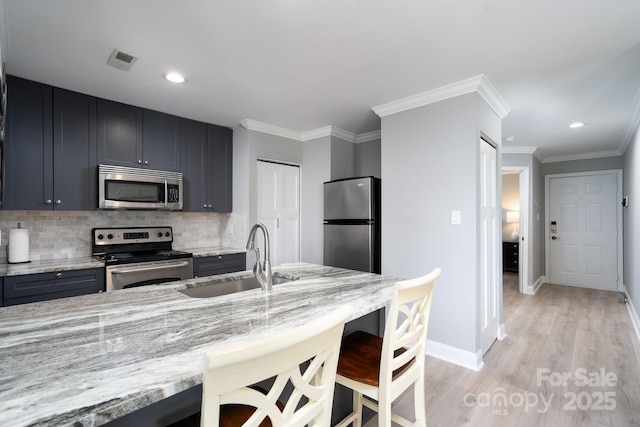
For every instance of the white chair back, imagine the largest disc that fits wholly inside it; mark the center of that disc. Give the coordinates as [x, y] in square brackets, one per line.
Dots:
[405, 335]
[230, 372]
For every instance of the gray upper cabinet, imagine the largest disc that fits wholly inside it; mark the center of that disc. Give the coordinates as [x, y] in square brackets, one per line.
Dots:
[136, 137]
[160, 141]
[220, 142]
[119, 134]
[207, 167]
[50, 148]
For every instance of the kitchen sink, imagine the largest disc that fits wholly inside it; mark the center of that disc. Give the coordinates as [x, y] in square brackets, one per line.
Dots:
[217, 289]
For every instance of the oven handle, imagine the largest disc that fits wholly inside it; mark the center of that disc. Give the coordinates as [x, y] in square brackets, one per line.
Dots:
[162, 267]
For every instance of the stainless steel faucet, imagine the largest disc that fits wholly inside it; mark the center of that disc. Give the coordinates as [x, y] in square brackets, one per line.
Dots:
[262, 271]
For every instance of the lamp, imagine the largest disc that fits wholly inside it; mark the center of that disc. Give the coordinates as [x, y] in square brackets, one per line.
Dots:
[513, 217]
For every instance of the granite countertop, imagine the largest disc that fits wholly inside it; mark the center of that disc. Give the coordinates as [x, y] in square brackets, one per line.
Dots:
[86, 360]
[64, 264]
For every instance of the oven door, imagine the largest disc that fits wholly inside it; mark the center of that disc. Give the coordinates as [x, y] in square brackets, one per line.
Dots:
[148, 273]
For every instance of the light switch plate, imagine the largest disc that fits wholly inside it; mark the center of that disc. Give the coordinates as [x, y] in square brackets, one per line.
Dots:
[456, 217]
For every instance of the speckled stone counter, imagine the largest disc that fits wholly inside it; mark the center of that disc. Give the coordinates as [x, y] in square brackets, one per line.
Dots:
[213, 251]
[86, 360]
[49, 266]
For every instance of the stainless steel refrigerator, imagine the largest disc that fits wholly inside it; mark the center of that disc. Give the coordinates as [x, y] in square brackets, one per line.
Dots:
[352, 224]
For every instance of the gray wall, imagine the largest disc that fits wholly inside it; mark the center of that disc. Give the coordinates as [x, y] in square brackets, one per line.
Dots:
[343, 161]
[536, 210]
[572, 166]
[368, 160]
[631, 218]
[316, 170]
[430, 163]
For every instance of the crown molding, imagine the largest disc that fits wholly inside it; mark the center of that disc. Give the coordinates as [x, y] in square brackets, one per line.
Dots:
[583, 156]
[525, 149]
[369, 136]
[478, 84]
[270, 129]
[309, 135]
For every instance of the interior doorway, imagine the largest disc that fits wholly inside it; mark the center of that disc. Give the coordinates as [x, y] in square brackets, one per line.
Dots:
[515, 225]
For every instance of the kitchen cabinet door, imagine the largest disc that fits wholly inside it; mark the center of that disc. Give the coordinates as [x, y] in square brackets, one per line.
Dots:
[207, 167]
[119, 134]
[50, 151]
[28, 146]
[47, 286]
[160, 141]
[194, 166]
[219, 264]
[74, 151]
[220, 142]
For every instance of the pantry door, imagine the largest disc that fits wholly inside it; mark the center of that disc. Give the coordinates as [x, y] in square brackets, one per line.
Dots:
[583, 230]
[279, 209]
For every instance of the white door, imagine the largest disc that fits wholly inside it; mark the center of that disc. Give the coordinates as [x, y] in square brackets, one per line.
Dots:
[488, 246]
[582, 229]
[279, 209]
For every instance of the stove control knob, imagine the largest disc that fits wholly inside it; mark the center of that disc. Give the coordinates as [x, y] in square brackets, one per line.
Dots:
[167, 234]
[159, 233]
[100, 236]
[109, 236]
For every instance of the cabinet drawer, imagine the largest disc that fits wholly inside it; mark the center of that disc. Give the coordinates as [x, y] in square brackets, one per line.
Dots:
[46, 286]
[219, 264]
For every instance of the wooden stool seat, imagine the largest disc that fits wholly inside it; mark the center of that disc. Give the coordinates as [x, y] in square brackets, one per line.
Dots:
[360, 356]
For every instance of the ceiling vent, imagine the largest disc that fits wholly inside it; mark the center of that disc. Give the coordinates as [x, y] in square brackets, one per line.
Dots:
[121, 60]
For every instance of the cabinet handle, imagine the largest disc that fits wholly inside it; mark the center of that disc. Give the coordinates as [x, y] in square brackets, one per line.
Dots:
[139, 162]
[48, 201]
[209, 206]
[58, 201]
[205, 206]
[58, 275]
[146, 163]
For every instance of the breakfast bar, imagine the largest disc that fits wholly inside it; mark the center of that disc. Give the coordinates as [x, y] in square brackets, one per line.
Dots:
[92, 359]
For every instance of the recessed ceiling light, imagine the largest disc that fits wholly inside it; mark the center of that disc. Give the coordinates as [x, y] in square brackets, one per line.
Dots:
[175, 77]
[510, 139]
[576, 125]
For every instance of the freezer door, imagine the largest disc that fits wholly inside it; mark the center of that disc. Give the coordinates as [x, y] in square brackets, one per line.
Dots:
[348, 199]
[349, 246]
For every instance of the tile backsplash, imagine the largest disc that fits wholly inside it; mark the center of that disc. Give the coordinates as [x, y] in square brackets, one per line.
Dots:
[64, 234]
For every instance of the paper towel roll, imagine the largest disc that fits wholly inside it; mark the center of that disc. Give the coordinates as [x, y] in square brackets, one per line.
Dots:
[18, 245]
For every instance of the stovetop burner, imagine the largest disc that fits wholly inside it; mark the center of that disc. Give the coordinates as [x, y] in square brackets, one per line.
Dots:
[134, 245]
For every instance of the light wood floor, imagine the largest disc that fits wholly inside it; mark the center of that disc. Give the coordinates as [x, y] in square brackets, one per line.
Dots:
[562, 329]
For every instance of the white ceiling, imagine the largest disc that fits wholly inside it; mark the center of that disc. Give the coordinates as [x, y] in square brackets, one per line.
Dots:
[305, 64]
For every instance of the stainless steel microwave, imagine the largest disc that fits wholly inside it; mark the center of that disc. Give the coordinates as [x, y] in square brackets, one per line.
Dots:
[121, 187]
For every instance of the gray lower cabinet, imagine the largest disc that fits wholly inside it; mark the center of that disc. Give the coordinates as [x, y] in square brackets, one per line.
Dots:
[47, 286]
[207, 152]
[49, 149]
[219, 264]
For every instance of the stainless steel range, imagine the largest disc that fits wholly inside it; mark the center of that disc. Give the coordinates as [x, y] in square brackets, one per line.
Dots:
[139, 256]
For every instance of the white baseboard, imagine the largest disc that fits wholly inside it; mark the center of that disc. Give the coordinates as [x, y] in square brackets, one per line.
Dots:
[531, 290]
[502, 332]
[633, 313]
[454, 355]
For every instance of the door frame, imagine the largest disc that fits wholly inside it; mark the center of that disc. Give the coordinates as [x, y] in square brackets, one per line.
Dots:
[524, 183]
[620, 255]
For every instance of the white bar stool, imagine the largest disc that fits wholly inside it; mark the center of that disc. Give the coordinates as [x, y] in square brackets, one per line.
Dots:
[228, 399]
[380, 369]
